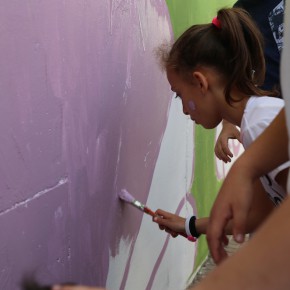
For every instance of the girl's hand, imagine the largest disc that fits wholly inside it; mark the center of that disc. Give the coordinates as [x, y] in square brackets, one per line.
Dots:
[222, 151]
[171, 223]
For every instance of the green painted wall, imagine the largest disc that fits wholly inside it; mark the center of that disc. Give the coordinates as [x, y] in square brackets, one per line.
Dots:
[185, 13]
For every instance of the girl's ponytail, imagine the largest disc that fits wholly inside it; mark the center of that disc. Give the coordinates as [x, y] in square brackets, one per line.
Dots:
[244, 43]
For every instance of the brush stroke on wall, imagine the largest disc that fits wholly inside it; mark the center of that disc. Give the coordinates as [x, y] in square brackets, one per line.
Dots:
[84, 107]
[154, 255]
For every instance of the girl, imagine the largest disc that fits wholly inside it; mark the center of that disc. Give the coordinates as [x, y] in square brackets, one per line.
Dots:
[216, 70]
[268, 15]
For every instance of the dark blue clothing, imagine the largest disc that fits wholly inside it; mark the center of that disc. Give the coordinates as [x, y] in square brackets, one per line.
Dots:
[268, 15]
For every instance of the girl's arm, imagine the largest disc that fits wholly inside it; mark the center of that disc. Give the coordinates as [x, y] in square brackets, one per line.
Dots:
[260, 209]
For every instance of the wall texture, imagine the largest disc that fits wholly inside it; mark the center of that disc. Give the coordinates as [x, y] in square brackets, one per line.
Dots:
[86, 111]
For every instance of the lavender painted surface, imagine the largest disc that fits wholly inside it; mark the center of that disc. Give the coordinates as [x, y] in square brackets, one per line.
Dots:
[153, 256]
[83, 111]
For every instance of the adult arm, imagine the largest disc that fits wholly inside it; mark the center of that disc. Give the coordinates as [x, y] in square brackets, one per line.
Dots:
[263, 263]
[236, 194]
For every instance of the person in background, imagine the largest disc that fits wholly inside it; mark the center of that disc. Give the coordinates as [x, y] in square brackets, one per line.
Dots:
[268, 15]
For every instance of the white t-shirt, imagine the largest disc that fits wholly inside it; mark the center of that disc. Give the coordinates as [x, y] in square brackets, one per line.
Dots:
[258, 114]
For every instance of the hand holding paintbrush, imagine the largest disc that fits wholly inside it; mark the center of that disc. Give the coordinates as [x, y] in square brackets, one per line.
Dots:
[126, 196]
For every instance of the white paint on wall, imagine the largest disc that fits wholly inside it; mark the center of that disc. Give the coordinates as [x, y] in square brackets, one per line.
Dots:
[118, 265]
[171, 182]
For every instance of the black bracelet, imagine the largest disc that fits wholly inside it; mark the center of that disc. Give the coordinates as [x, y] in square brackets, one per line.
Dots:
[192, 227]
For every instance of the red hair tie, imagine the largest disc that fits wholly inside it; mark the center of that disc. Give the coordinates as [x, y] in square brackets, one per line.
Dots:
[216, 22]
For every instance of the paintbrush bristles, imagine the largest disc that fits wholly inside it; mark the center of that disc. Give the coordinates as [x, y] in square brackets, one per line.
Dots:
[126, 196]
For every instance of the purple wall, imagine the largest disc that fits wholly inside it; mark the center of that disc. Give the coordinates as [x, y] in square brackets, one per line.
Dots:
[83, 111]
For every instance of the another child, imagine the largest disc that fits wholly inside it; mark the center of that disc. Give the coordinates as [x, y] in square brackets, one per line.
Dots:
[216, 69]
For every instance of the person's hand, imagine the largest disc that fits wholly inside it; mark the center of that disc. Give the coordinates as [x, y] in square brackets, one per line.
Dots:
[222, 151]
[233, 202]
[79, 287]
[171, 223]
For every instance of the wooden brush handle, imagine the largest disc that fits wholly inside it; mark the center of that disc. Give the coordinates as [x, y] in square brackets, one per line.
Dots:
[152, 213]
[149, 211]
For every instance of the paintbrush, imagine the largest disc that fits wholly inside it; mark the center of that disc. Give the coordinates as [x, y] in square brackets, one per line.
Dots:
[127, 197]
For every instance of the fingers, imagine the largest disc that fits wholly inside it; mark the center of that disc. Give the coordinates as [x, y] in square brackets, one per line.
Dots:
[222, 150]
[171, 223]
[216, 246]
[163, 218]
[163, 227]
[163, 213]
[239, 224]
[162, 222]
[216, 237]
[226, 154]
[172, 233]
[226, 208]
[236, 135]
[226, 151]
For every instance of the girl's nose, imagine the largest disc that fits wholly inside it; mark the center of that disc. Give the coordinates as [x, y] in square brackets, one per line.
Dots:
[185, 112]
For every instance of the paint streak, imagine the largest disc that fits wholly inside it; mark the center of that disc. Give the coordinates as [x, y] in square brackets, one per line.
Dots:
[187, 199]
[127, 268]
[141, 29]
[118, 161]
[61, 182]
[162, 253]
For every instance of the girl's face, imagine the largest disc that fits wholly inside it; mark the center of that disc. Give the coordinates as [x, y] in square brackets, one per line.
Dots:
[197, 102]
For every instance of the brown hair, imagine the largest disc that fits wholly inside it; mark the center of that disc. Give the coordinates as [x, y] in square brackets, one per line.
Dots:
[235, 51]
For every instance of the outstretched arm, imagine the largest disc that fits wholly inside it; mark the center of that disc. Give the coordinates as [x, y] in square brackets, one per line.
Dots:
[260, 209]
[261, 264]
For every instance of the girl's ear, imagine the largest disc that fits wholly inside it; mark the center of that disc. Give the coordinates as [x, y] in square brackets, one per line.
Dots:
[201, 80]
